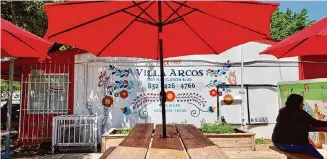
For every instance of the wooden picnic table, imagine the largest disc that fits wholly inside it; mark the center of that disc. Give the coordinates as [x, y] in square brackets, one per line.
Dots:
[183, 141]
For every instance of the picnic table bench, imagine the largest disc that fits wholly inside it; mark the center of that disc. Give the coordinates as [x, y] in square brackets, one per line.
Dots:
[297, 155]
[183, 141]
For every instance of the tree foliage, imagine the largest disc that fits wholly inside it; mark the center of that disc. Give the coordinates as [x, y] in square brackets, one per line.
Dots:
[284, 24]
[29, 15]
[4, 88]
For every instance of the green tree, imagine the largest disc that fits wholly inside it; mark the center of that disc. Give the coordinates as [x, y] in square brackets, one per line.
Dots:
[4, 88]
[284, 24]
[29, 15]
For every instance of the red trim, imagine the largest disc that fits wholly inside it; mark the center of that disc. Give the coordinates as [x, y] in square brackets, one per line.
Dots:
[16, 78]
[23, 62]
[313, 70]
[300, 67]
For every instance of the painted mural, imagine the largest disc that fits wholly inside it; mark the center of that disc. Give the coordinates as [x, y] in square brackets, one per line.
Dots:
[218, 77]
[315, 95]
[189, 90]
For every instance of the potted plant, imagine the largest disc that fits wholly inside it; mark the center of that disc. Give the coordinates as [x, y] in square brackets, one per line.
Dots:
[113, 137]
[227, 137]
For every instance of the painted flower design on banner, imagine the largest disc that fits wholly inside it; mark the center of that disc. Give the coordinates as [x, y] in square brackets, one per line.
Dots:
[103, 79]
[119, 87]
[123, 94]
[170, 96]
[115, 89]
[126, 110]
[228, 99]
[223, 77]
[213, 92]
[193, 99]
[220, 72]
[215, 83]
[120, 72]
[107, 101]
[212, 109]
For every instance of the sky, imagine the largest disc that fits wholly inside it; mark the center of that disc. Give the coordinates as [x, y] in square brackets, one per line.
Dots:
[316, 9]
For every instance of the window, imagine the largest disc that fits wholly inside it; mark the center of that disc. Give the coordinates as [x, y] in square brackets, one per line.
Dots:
[48, 93]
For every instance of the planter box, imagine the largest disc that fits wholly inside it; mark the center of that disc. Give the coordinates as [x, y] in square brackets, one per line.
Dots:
[109, 139]
[240, 141]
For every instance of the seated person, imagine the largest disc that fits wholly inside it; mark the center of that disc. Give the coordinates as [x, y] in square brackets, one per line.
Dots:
[292, 128]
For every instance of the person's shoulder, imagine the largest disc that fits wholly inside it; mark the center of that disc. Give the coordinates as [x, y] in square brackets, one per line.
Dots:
[283, 110]
[292, 111]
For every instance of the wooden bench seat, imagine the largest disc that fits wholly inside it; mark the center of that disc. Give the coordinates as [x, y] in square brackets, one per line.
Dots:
[197, 145]
[292, 155]
[134, 146]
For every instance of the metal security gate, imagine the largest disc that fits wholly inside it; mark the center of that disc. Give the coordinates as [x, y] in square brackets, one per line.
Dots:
[75, 130]
[45, 93]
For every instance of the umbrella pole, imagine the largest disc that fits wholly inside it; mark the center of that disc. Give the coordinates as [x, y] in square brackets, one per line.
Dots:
[162, 75]
[242, 89]
[9, 105]
[162, 92]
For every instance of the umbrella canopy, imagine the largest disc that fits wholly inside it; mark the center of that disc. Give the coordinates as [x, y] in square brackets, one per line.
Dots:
[112, 28]
[16, 42]
[309, 41]
[147, 29]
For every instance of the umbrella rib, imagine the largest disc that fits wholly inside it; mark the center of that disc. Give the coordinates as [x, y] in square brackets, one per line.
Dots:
[173, 13]
[91, 21]
[173, 21]
[144, 20]
[294, 47]
[135, 19]
[192, 28]
[222, 19]
[154, 21]
[180, 18]
[19, 39]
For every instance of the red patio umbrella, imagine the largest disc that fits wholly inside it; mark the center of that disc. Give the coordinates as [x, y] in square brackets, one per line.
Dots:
[309, 41]
[16, 42]
[138, 28]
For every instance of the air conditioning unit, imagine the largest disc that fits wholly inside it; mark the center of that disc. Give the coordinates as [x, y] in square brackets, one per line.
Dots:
[74, 131]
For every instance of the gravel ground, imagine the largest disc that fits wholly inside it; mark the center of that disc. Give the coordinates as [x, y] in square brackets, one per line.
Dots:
[263, 147]
[41, 151]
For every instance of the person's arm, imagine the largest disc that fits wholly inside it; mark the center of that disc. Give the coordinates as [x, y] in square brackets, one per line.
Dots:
[314, 122]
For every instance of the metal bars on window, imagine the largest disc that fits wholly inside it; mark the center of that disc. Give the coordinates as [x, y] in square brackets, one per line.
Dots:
[45, 90]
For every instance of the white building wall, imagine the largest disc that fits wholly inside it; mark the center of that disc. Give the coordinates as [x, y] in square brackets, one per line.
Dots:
[263, 100]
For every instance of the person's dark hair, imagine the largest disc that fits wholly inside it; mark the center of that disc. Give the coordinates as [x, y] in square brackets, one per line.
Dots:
[294, 101]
